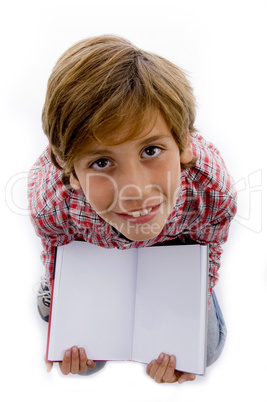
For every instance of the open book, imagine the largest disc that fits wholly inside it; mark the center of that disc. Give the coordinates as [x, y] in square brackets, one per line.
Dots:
[131, 304]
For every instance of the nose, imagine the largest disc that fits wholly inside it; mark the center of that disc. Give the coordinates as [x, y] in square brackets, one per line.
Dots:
[133, 181]
[134, 186]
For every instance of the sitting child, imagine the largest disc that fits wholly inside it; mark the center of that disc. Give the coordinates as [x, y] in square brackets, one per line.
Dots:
[125, 167]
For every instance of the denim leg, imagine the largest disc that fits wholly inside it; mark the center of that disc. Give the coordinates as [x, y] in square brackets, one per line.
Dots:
[99, 365]
[217, 331]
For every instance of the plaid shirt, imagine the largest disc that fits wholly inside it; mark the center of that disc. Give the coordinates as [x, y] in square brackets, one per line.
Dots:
[202, 214]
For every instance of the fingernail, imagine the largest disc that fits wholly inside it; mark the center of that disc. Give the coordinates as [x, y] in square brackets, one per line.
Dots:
[181, 381]
[68, 353]
[74, 349]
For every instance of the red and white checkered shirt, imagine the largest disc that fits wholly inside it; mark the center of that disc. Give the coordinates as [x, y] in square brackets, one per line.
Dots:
[202, 214]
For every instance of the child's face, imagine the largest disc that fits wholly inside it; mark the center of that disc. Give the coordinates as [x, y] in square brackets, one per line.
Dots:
[134, 185]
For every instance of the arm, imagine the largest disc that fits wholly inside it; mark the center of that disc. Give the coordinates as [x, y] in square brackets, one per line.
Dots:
[214, 232]
[52, 227]
[49, 209]
[50, 243]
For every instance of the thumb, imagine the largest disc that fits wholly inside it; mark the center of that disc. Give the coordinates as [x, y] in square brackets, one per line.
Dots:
[186, 377]
[49, 365]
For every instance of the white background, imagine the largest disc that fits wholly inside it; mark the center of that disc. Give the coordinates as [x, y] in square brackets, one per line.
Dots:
[222, 45]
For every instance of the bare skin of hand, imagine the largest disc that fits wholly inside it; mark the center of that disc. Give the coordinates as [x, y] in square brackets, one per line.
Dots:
[74, 361]
[163, 370]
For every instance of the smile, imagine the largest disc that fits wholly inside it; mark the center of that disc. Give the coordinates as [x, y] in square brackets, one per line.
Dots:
[143, 212]
[140, 216]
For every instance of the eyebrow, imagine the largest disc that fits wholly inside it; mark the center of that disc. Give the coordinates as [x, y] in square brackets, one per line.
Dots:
[105, 152]
[96, 152]
[153, 139]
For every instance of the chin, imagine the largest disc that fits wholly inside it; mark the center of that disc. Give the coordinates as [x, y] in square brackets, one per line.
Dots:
[141, 238]
[141, 234]
[138, 232]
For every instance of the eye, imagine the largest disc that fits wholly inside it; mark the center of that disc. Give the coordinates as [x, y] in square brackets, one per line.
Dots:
[101, 164]
[151, 152]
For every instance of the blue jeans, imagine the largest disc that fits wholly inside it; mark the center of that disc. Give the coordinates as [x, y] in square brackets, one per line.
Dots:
[217, 331]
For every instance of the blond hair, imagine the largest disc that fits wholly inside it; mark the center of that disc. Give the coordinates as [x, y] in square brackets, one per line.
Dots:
[104, 84]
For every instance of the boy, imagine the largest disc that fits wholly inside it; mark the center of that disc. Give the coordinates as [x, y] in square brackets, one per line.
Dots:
[126, 168]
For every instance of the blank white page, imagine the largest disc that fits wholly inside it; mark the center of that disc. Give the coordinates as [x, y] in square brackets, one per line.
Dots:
[105, 328]
[172, 288]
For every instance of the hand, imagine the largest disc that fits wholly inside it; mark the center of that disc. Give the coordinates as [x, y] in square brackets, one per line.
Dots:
[163, 370]
[74, 360]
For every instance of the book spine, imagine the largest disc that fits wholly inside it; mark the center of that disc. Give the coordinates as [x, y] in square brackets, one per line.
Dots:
[204, 260]
[51, 304]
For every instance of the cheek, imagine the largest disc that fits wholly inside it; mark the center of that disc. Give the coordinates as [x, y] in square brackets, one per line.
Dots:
[100, 191]
[169, 178]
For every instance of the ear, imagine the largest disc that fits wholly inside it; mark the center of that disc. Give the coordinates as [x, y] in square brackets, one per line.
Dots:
[187, 154]
[74, 182]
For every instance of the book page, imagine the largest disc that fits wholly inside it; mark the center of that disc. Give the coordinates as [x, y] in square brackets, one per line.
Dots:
[93, 302]
[171, 306]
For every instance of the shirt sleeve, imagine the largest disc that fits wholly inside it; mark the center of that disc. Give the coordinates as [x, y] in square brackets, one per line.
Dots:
[52, 235]
[48, 211]
[212, 199]
[215, 233]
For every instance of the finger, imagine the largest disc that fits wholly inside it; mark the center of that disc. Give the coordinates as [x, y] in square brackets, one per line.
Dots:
[91, 364]
[82, 360]
[66, 363]
[162, 369]
[75, 365]
[155, 365]
[186, 377]
[170, 375]
[149, 367]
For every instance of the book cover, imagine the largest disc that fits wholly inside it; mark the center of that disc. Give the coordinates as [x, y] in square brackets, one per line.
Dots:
[131, 304]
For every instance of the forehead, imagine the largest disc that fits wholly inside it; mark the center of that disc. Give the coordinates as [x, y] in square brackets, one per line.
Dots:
[156, 128]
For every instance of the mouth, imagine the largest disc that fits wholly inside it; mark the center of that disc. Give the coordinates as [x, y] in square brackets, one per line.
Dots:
[141, 212]
[140, 215]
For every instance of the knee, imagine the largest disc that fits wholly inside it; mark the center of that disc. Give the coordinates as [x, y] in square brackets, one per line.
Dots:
[217, 332]
[214, 350]
[99, 366]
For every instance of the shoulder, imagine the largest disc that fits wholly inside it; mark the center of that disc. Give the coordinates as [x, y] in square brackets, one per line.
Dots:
[45, 187]
[207, 192]
[53, 207]
[210, 171]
